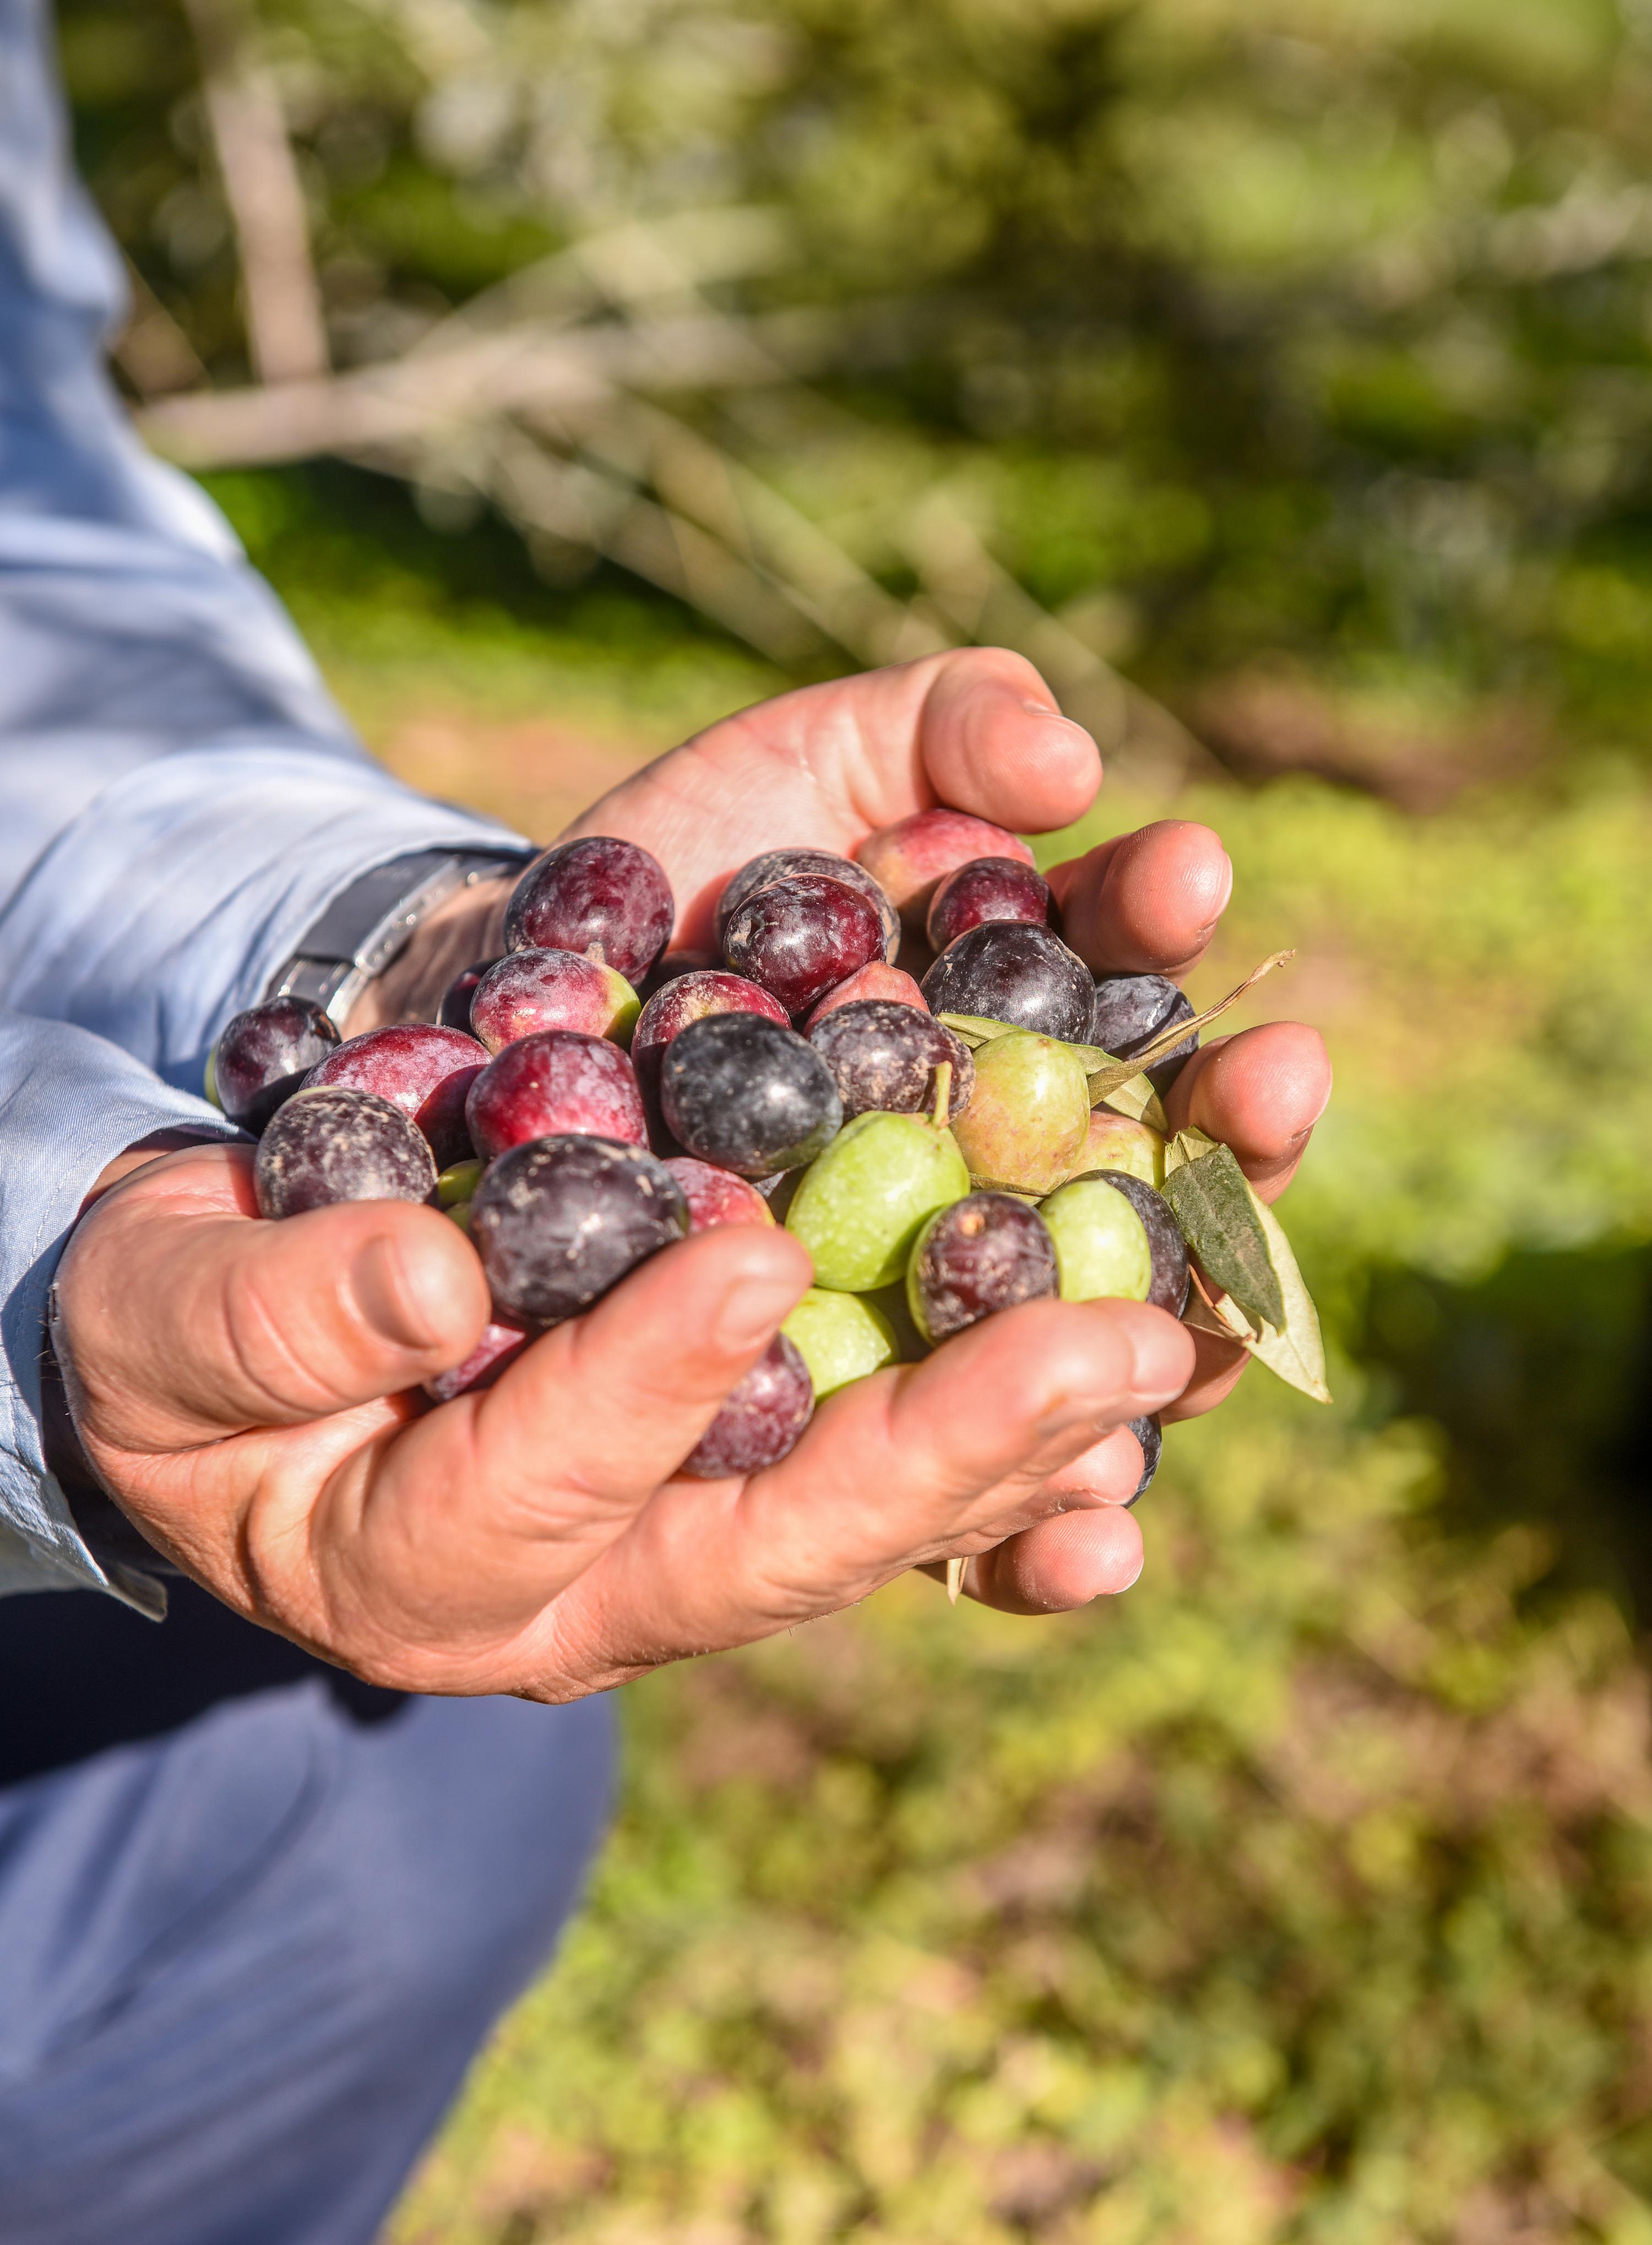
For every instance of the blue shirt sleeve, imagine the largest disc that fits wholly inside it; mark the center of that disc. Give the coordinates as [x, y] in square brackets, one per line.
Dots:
[179, 798]
[182, 796]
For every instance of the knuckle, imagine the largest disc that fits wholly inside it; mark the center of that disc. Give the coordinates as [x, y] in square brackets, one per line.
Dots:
[270, 1351]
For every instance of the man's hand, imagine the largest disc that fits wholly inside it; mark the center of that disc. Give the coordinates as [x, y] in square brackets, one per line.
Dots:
[978, 729]
[248, 1392]
[242, 1388]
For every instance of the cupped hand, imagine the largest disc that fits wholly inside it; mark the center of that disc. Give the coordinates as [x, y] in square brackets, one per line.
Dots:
[248, 1393]
[978, 729]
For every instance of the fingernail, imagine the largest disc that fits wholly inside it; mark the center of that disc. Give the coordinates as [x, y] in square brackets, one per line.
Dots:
[1134, 1578]
[752, 1310]
[1160, 1363]
[1036, 709]
[389, 1295]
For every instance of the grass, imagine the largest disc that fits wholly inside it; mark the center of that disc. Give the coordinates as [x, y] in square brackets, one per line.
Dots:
[1305, 1892]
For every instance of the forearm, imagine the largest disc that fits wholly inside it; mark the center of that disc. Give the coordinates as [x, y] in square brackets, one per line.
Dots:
[182, 798]
[172, 900]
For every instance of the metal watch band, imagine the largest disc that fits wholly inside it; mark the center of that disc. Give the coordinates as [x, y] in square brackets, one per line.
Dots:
[367, 924]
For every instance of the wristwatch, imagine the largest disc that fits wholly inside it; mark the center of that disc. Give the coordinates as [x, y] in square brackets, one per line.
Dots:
[367, 924]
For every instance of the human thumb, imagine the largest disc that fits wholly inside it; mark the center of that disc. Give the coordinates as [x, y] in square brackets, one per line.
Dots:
[181, 1317]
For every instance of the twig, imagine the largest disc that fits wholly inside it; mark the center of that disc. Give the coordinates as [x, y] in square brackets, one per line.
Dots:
[286, 334]
[409, 399]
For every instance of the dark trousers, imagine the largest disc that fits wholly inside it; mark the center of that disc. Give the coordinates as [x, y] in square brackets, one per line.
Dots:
[255, 1920]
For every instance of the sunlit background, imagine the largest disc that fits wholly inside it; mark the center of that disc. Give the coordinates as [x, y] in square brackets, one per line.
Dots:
[1278, 374]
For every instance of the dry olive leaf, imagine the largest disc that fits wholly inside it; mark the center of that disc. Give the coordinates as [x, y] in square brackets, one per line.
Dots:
[1106, 1074]
[1220, 1315]
[1199, 1184]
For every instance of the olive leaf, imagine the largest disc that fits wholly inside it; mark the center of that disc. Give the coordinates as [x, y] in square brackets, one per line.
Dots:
[1106, 1074]
[974, 1029]
[1199, 1179]
[1140, 1102]
[1190, 1144]
[1299, 1341]
[1218, 1213]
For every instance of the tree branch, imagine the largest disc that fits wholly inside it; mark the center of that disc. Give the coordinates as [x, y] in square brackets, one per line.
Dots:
[286, 335]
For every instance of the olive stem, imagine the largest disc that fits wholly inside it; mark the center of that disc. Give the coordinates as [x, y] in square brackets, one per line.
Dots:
[943, 1095]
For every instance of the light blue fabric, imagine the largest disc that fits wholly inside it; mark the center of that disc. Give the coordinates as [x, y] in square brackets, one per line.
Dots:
[178, 797]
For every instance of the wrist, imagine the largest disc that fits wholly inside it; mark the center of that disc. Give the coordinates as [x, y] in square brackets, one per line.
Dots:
[468, 927]
[140, 1153]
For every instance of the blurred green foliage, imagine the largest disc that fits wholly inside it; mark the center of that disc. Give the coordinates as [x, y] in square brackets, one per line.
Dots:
[1308, 329]
[1305, 1896]
[403, 614]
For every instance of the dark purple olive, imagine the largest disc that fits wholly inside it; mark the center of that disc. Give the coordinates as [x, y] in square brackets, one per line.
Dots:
[335, 1144]
[1131, 1010]
[454, 1012]
[985, 891]
[557, 1081]
[760, 1420]
[738, 1090]
[1150, 1435]
[802, 937]
[423, 1068]
[560, 1220]
[984, 1253]
[883, 1055]
[601, 896]
[264, 1053]
[785, 865]
[1023, 975]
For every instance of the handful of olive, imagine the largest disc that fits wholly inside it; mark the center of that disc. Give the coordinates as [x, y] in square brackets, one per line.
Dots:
[945, 1151]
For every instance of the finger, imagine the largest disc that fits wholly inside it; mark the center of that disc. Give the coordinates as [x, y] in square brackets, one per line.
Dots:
[893, 1471]
[976, 728]
[1060, 1565]
[482, 1512]
[182, 1316]
[1146, 903]
[1260, 1092]
[1108, 1473]
[1219, 1366]
[994, 743]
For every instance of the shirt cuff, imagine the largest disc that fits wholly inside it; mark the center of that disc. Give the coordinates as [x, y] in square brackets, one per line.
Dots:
[69, 1104]
[169, 903]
